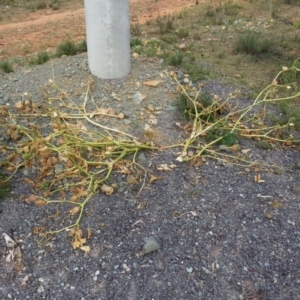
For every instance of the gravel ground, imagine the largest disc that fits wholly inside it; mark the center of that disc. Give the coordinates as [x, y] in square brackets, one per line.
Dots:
[221, 235]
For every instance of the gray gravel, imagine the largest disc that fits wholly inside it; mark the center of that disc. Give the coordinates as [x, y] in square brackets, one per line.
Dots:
[217, 233]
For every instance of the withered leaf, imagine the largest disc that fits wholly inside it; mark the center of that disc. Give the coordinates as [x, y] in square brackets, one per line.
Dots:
[176, 214]
[108, 190]
[86, 249]
[257, 178]
[40, 202]
[89, 233]
[75, 210]
[131, 179]
[32, 198]
[154, 178]
[245, 151]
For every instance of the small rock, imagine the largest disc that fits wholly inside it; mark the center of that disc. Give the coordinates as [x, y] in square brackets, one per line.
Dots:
[141, 156]
[186, 80]
[237, 76]
[151, 245]
[138, 97]
[127, 122]
[182, 47]
[151, 108]
[189, 270]
[58, 168]
[40, 289]
[135, 55]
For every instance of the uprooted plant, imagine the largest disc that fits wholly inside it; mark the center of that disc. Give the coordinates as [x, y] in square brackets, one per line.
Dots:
[221, 122]
[73, 162]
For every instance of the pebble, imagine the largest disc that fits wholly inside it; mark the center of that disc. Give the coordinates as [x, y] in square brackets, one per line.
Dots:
[127, 122]
[58, 168]
[151, 108]
[141, 156]
[138, 97]
[40, 289]
[151, 245]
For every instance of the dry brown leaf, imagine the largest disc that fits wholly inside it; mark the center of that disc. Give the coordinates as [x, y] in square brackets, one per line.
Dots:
[72, 231]
[257, 178]
[86, 249]
[235, 147]
[89, 233]
[75, 210]
[26, 149]
[79, 232]
[108, 190]
[55, 215]
[163, 167]
[19, 105]
[154, 178]
[176, 214]
[75, 198]
[152, 83]
[32, 198]
[245, 151]
[38, 229]
[131, 179]
[40, 202]
[76, 244]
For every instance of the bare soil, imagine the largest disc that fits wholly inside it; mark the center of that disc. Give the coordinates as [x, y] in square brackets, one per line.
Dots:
[26, 31]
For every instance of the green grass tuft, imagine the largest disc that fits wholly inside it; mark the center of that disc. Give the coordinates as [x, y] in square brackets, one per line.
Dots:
[252, 43]
[41, 58]
[136, 42]
[66, 48]
[175, 59]
[6, 66]
[82, 46]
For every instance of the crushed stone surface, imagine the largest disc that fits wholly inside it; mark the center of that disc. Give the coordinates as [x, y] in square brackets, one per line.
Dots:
[219, 233]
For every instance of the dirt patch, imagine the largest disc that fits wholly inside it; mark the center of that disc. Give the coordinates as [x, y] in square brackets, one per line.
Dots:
[30, 32]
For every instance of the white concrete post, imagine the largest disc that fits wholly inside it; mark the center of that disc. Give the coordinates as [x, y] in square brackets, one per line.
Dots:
[108, 37]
